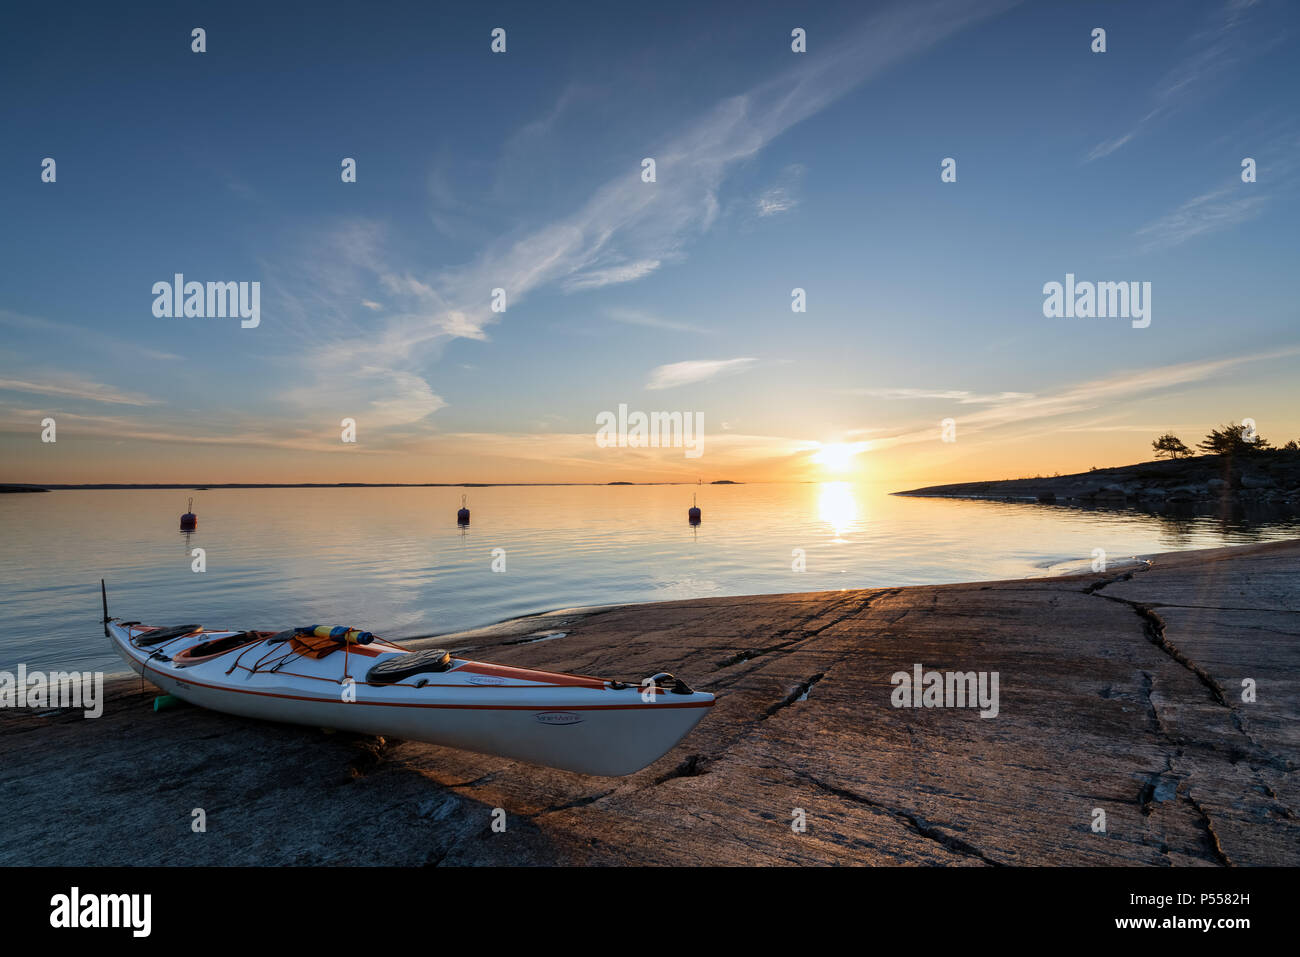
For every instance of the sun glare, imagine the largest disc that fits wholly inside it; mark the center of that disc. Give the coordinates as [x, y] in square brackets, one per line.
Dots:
[837, 507]
[838, 456]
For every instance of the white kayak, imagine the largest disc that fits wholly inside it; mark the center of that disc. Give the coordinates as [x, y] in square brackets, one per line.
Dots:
[574, 722]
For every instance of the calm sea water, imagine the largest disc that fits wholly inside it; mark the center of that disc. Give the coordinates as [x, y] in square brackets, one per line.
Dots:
[394, 561]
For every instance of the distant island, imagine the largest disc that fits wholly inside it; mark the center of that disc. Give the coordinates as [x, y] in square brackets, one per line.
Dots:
[1239, 465]
[1206, 478]
[717, 482]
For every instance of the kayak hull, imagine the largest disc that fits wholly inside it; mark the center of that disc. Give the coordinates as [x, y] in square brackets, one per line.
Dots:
[563, 721]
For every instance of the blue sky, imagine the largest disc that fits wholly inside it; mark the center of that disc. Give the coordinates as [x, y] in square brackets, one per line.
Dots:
[522, 171]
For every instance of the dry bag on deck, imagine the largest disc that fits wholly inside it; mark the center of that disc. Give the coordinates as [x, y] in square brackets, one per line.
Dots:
[317, 641]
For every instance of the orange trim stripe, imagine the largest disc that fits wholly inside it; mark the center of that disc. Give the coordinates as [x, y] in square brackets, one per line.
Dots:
[448, 707]
[528, 674]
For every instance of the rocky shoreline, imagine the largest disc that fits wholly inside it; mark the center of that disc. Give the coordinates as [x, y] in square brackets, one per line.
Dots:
[1265, 479]
[1121, 702]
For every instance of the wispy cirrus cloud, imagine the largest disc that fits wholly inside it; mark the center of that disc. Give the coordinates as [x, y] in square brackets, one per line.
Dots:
[775, 200]
[1090, 395]
[611, 275]
[627, 229]
[75, 387]
[960, 396]
[1155, 429]
[781, 196]
[1218, 209]
[637, 317]
[1106, 147]
[88, 337]
[1225, 41]
[695, 370]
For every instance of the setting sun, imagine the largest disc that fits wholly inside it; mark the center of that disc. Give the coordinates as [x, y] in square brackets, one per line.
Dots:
[838, 457]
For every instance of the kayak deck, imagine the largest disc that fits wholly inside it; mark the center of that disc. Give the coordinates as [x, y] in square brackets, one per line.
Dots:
[576, 722]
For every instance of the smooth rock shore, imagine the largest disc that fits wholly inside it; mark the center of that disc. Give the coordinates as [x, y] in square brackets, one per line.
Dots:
[1119, 692]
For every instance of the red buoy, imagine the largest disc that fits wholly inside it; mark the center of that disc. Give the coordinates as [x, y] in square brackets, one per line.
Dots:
[189, 521]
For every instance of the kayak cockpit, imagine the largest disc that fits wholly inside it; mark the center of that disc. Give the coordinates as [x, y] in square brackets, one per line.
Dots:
[414, 663]
[157, 636]
[207, 650]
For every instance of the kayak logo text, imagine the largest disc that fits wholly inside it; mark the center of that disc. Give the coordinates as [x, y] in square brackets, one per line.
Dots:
[73, 910]
[215, 300]
[952, 689]
[58, 689]
[654, 430]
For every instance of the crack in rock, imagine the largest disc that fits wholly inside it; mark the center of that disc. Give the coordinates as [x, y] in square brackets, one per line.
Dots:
[1282, 809]
[1155, 632]
[911, 820]
[475, 782]
[751, 653]
[800, 693]
[1102, 583]
[1148, 684]
[800, 627]
[1219, 852]
[1154, 629]
[860, 605]
[569, 805]
[1096, 586]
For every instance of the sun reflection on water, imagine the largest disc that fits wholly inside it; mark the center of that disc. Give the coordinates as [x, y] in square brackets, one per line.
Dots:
[837, 507]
